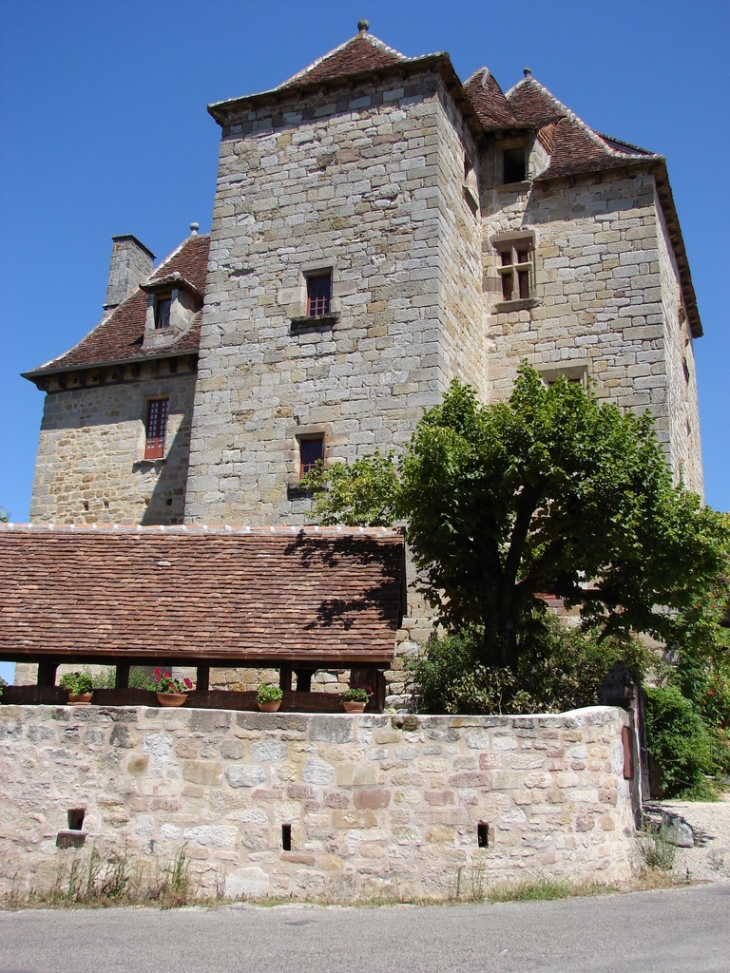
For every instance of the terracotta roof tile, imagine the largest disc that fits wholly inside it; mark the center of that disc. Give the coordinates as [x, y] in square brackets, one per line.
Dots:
[361, 53]
[578, 149]
[490, 104]
[260, 595]
[119, 336]
[534, 105]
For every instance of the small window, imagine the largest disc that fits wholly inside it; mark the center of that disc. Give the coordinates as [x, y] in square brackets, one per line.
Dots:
[513, 165]
[162, 311]
[310, 452]
[156, 428]
[516, 272]
[319, 295]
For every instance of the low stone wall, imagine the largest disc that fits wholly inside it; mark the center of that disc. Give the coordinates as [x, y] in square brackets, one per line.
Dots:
[377, 805]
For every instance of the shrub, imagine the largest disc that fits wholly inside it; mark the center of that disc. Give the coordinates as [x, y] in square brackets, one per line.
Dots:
[679, 741]
[357, 694]
[559, 669]
[76, 683]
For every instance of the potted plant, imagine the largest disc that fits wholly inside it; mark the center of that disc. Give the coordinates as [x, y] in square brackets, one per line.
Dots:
[79, 687]
[269, 698]
[171, 692]
[356, 698]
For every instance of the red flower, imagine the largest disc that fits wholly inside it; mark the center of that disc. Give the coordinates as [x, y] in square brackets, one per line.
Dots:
[188, 683]
[158, 675]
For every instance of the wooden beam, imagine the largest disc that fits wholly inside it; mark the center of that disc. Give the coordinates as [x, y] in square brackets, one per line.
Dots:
[304, 680]
[47, 672]
[121, 678]
[202, 679]
[285, 679]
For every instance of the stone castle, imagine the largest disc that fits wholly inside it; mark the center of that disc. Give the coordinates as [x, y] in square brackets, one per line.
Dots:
[379, 228]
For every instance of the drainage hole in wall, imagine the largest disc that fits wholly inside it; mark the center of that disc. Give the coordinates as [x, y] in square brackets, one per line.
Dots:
[483, 834]
[286, 837]
[76, 818]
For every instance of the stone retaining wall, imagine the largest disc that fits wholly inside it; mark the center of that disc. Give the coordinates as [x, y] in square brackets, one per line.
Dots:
[377, 805]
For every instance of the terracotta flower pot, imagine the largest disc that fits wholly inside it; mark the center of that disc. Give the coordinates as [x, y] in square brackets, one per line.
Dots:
[271, 707]
[171, 699]
[353, 707]
[81, 699]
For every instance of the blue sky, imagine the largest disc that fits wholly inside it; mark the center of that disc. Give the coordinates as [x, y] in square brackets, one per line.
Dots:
[104, 131]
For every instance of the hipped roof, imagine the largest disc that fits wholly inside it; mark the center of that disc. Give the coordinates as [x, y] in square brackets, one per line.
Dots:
[199, 595]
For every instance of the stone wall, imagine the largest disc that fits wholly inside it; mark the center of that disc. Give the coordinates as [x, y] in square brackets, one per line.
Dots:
[378, 805]
[90, 466]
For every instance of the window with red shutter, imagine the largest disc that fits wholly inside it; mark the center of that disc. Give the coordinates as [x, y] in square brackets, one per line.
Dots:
[156, 428]
[319, 295]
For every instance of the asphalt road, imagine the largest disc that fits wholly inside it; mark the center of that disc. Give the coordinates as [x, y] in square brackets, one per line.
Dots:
[682, 930]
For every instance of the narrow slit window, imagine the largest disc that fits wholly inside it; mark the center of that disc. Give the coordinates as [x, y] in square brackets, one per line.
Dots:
[286, 837]
[76, 818]
[310, 452]
[319, 295]
[156, 428]
[483, 834]
[162, 311]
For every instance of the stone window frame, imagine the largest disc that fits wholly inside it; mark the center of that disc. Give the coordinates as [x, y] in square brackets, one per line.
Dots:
[577, 370]
[300, 318]
[516, 245]
[510, 145]
[470, 186]
[297, 435]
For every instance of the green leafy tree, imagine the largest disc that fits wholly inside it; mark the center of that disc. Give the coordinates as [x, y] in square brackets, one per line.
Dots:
[550, 492]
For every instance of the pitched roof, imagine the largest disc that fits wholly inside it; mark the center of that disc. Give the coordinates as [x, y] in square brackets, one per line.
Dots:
[491, 106]
[119, 336]
[361, 53]
[236, 595]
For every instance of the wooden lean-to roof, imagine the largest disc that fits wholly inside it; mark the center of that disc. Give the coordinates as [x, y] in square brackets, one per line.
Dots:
[201, 596]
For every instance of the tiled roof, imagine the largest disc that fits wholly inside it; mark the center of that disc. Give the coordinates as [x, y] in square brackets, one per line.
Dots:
[361, 53]
[119, 336]
[242, 595]
[490, 104]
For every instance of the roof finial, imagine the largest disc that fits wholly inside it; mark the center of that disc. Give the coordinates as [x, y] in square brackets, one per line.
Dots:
[363, 26]
[194, 227]
[527, 72]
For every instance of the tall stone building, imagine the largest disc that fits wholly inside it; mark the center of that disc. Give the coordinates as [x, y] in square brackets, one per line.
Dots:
[379, 228]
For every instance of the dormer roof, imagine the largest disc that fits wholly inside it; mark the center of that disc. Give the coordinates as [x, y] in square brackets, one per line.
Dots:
[492, 108]
[119, 337]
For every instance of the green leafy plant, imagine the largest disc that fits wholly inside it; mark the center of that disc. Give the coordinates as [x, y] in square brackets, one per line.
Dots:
[357, 694]
[679, 741]
[268, 694]
[76, 683]
[164, 683]
[139, 679]
[551, 492]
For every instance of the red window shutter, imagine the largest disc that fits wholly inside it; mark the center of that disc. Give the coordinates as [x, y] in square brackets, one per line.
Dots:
[157, 412]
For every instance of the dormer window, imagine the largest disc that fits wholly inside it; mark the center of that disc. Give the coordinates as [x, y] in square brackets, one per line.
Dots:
[514, 168]
[162, 310]
[319, 294]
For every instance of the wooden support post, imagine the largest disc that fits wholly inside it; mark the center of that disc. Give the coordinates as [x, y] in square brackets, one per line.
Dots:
[121, 678]
[47, 673]
[304, 680]
[202, 679]
[285, 679]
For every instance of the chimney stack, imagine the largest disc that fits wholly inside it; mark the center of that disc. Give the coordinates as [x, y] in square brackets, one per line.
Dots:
[131, 263]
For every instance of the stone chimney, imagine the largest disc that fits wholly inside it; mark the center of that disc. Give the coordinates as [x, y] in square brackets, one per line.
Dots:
[131, 263]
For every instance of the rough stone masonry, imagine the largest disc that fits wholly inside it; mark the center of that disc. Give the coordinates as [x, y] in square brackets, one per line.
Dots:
[377, 806]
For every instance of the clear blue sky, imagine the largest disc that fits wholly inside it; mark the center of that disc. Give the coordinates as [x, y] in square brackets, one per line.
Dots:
[104, 131]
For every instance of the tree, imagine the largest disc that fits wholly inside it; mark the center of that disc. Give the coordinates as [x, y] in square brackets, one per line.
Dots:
[550, 492]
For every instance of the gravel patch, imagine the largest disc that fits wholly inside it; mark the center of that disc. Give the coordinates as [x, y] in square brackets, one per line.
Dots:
[709, 860]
